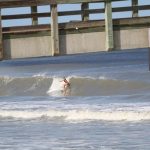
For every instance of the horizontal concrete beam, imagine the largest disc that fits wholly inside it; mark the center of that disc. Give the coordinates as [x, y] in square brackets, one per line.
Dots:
[23, 3]
[117, 23]
[75, 12]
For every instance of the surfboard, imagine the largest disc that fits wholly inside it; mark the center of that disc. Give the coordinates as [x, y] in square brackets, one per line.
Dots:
[57, 88]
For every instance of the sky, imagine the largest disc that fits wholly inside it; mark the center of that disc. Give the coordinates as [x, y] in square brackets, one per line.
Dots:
[67, 7]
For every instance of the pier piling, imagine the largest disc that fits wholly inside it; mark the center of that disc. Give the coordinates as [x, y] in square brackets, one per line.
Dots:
[54, 30]
[135, 8]
[1, 38]
[84, 9]
[34, 18]
[109, 25]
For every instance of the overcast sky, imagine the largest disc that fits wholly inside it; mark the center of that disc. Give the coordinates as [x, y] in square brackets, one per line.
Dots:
[67, 7]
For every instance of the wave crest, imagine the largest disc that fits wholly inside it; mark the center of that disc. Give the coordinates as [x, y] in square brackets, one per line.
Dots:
[80, 86]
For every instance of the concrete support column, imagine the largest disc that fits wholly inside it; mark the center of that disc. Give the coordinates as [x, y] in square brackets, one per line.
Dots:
[85, 14]
[1, 38]
[134, 8]
[109, 25]
[149, 57]
[54, 30]
[149, 48]
[34, 19]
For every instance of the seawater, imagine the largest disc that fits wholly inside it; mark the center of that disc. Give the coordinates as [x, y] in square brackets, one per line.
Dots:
[108, 107]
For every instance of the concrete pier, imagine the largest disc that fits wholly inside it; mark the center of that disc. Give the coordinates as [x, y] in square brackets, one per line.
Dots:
[73, 37]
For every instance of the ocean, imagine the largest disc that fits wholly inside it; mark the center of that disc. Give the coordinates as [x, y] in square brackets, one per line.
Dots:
[107, 107]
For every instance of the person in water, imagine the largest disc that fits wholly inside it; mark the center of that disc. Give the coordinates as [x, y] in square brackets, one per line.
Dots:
[66, 87]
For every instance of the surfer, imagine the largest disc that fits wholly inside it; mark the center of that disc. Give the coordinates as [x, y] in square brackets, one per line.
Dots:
[66, 87]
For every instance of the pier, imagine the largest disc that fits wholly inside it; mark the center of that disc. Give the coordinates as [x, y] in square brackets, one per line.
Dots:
[80, 36]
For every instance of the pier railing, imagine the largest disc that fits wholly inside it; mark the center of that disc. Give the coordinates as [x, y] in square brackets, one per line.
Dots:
[55, 28]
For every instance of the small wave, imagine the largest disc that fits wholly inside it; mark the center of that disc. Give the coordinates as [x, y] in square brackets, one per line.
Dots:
[24, 86]
[40, 75]
[104, 86]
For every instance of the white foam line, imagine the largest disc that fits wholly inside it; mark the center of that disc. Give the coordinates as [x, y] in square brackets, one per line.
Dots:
[80, 115]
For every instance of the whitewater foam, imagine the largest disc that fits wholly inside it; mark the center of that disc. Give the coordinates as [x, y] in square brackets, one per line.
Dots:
[78, 115]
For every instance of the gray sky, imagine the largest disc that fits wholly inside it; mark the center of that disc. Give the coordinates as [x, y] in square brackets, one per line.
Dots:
[67, 7]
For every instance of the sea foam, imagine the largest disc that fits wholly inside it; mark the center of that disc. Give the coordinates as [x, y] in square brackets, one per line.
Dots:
[78, 115]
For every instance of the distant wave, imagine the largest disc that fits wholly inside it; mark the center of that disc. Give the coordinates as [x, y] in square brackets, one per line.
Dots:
[80, 86]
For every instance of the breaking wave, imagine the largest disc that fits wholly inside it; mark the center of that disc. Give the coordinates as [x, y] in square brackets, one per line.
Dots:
[80, 86]
[79, 115]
